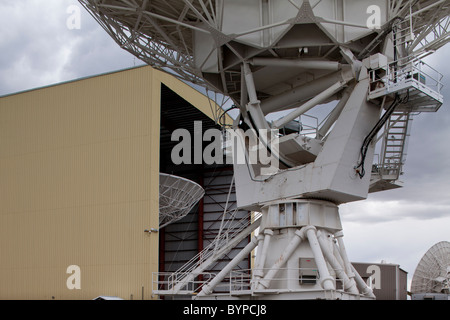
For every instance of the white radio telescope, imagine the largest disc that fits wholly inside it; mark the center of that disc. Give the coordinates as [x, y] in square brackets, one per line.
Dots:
[432, 274]
[292, 57]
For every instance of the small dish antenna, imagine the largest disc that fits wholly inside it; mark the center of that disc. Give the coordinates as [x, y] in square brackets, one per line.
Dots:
[432, 274]
[177, 196]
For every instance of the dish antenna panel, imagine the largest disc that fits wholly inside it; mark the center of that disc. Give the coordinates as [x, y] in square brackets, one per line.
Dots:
[290, 57]
[177, 196]
[432, 274]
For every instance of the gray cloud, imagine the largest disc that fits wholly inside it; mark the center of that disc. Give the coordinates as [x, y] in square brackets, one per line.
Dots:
[32, 51]
[39, 49]
[376, 211]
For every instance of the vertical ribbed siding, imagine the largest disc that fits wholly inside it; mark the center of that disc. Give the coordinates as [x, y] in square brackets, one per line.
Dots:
[78, 186]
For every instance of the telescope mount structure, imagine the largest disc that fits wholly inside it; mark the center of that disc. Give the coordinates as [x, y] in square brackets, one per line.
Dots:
[290, 57]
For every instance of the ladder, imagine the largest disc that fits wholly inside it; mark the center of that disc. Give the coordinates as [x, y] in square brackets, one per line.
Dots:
[393, 150]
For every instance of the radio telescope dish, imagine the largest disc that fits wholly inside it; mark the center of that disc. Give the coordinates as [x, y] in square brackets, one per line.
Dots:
[432, 274]
[205, 41]
[177, 196]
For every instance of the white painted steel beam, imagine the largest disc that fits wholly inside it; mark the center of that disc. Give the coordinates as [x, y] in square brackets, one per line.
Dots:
[209, 287]
[361, 284]
[297, 63]
[349, 285]
[258, 270]
[334, 115]
[310, 104]
[222, 251]
[254, 104]
[326, 280]
[303, 92]
[281, 261]
[343, 252]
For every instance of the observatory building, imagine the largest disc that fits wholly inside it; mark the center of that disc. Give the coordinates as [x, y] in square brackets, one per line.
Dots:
[86, 169]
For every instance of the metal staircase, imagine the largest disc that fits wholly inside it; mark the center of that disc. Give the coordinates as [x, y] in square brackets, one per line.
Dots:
[420, 86]
[394, 145]
[396, 134]
[190, 278]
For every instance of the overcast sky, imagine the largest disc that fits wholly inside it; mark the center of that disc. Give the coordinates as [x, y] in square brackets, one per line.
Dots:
[38, 49]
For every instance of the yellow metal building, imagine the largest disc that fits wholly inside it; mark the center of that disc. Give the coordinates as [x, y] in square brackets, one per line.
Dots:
[79, 169]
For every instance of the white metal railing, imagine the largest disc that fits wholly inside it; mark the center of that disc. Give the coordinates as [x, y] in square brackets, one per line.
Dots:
[170, 280]
[164, 282]
[309, 125]
[230, 230]
[403, 72]
[243, 280]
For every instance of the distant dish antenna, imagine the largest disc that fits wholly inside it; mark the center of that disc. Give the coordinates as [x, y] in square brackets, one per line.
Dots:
[432, 274]
[177, 196]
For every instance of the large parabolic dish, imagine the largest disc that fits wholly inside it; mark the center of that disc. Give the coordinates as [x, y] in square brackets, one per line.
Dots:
[205, 41]
[177, 196]
[432, 274]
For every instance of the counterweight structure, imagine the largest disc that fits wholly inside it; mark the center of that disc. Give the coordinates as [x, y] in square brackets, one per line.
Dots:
[289, 57]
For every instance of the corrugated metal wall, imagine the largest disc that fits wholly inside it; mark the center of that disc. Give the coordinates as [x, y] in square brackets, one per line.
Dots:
[79, 168]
